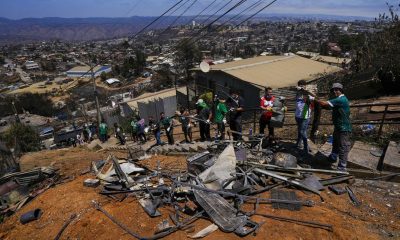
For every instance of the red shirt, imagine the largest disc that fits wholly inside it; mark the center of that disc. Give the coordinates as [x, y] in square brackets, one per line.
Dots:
[265, 102]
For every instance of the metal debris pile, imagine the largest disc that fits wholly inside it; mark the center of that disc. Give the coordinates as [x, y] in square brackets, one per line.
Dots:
[17, 189]
[215, 186]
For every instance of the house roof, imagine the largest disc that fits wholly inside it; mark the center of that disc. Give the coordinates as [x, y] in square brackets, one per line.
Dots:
[330, 59]
[146, 97]
[275, 71]
[112, 80]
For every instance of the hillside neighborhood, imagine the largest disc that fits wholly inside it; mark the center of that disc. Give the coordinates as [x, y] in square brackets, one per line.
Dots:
[223, 124]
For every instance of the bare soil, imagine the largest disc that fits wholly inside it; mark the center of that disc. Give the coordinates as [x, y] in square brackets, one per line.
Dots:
[377, 218]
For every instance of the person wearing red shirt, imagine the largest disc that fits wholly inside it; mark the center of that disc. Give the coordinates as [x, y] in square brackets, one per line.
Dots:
[266, 103]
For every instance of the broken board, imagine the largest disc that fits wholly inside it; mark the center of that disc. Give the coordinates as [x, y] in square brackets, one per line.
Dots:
[360, 156]
[220, 211]
[391, 162]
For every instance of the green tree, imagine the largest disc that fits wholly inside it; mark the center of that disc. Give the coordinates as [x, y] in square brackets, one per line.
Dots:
[34, 103]
[140, 62]
[381, 51]
[22, 137]
[103, 76]
[187, 55]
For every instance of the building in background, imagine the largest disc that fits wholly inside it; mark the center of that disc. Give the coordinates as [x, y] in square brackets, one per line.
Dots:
[84, 71]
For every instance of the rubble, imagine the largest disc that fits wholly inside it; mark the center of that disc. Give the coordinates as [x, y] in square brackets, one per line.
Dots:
[225, 185]
[215, 186]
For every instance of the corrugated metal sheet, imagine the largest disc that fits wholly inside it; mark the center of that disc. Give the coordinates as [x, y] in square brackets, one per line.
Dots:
[276, 71]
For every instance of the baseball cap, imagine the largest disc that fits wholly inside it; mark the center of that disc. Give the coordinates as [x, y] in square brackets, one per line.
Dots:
[337, 85]
[200, 101]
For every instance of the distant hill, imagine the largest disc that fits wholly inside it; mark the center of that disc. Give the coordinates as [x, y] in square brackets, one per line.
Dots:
[70, 29]
[83, 29]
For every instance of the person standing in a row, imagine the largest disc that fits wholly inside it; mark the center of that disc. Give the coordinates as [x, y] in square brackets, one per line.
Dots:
[103, 130]
[266, 104]
[220, 114]
[236, 107]
[204, 115]
[168, 124]
[340, 107]
[304, 106]
[184, 119]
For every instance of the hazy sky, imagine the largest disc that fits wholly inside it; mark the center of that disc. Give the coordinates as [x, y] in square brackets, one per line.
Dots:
[16, 9]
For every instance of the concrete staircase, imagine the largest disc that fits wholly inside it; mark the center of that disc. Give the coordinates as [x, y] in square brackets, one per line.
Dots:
[180, 148]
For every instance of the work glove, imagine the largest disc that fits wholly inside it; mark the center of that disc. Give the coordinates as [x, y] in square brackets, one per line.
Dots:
[208, 121]
[224, 120]
[232, 109]
[168, 129]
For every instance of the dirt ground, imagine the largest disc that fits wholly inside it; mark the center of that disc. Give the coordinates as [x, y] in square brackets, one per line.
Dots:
[377, 218]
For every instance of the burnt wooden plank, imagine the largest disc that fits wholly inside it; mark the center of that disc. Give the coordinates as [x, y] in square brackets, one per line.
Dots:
[391, 161]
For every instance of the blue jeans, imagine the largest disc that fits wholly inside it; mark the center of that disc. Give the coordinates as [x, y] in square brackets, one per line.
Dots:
[157, 135]
[302, 126]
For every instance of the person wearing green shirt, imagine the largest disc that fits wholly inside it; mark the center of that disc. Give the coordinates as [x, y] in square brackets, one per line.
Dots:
[134, 129]
[220, 113]
[342, 126]
[103, 129]
[168, 125]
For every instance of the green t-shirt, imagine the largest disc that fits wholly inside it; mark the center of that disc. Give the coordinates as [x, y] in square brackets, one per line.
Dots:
[134, 126]
[341, 113]
[220, 112]
[103, 128]
[166, 122]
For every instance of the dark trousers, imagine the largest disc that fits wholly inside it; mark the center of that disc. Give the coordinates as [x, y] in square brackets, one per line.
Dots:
[187, 131]
[302, 126]
[121, 138]
[236, 125]
[341, 147]
[204, 131]
[170, 135]
[221, 130]
[103, 137]
[264, 123]
[141, 136]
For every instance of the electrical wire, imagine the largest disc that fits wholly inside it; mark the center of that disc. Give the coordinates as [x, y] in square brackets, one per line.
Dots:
[176, 19]
[262, 9]
[195, 17]
[136, 34]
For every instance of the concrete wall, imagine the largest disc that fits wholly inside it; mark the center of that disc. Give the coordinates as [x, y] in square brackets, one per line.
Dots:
[220, 82]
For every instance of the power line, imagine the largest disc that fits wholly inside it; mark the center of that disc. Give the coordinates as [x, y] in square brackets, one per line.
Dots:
[175, 10]
[155, 20]
[218, 18]
[205, 21]
[133, 7]
[135, 35]
[176, 19]
[249, 8]
[262, 9]
[209, 5]
[239, 15]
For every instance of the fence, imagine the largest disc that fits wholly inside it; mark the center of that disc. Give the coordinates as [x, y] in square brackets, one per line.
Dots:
[250, 118]
[255, 112]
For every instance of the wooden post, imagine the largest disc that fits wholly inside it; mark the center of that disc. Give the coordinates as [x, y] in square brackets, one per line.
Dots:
[382, 121]
[254, 121]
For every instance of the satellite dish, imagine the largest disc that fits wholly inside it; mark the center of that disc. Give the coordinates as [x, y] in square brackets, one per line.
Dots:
[204, 67]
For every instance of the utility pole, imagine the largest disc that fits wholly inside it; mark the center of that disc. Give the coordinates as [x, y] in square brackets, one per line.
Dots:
[96, 98]
[17, 120]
